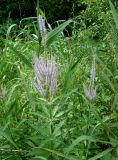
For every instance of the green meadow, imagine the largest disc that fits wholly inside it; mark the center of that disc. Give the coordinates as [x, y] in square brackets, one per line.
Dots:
[59, 92]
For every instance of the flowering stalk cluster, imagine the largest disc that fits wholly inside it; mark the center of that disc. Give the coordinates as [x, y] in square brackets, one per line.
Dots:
[45, 70]
[91, 90]
[46, 76]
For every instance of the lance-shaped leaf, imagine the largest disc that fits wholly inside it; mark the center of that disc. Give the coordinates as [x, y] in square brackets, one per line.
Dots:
[114, 13]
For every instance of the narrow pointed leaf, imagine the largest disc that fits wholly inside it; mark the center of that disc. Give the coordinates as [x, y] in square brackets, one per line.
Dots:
[58, 153]
[84, 138]
[78, 140]
[100, 155]
[52, 35]
[69, 73]
[21, 56]
[114, 13]
[9, 30]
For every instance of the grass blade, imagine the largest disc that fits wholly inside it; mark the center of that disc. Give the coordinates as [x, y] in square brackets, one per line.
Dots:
[78, 140]
[68, 74]
[57, 153]
[9, 30]
[114, 13]
[21, 56]
[100, 155]
[83, 138]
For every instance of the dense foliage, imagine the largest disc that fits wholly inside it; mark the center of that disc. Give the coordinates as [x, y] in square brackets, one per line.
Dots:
[70, 122]
[55, 10]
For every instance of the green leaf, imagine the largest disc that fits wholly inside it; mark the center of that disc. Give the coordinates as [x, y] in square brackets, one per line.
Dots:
[100, 155]
[78, 140]
[103, 65]
[68, 74]
[57, 153]
[115, 101]
[26, 89]
[9, 30]
[57, 130]
[46, 110]
[8, 138]
[55, 110]
[20, 55]
[105, 72]
[114, 13]
[41, 13]
[11, 94]
[83, 138]
[11, 106]
[109, 82]
[52, 35]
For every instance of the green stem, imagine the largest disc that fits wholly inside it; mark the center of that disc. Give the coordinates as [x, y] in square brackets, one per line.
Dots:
[51, 127]
[87, 131]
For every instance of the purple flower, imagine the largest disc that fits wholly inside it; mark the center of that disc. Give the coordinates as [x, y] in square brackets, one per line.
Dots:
[93, 71]
[41, 25]
[90, 91]
[46, 76]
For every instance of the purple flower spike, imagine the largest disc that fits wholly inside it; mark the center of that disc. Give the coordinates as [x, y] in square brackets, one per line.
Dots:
[53, 78]
[90, 91]
[93, 71]
[46, 76]
[90, 94]
[41, 25]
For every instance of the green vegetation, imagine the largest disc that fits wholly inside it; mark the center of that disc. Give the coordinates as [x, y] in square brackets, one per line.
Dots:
[65, 124]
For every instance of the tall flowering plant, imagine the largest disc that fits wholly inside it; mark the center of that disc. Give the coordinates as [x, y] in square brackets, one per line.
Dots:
[45, 70]
[45, 83]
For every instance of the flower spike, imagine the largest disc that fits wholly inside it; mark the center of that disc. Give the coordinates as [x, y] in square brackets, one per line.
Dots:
[46, 76]
[90, 91]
